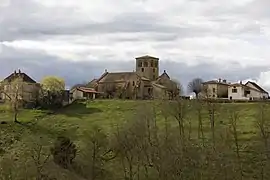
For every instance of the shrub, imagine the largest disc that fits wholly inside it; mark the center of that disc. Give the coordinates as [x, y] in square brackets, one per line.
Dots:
[64, 152]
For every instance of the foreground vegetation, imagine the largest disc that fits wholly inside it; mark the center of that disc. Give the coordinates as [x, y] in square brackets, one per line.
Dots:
[116, 139]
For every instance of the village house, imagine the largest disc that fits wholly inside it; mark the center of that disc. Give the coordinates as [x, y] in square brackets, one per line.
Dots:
[83, 93]
[215, 89]
[20, 83]
[248, 91]
[144, 83]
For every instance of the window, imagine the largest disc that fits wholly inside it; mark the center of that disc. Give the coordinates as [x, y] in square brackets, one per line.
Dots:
[156, 64]
[214, 95]
[140, 63]
[145, 64]
[142, 69]
[214, 90]
[234, 90]
[152, 63]
[84, 94]
[133, 83]
[154, 70]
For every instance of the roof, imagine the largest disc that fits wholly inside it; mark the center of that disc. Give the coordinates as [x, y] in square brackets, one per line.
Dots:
[215, 82]
[15, 75]
[92, 83]
[116, 76]
[87, 90]
[159, 85]
[244, 85]
[146, 56]
[164, 74]
[257, 86]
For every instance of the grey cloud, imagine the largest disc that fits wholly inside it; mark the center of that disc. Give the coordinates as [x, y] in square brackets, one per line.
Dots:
[38, 64]
[33, 21]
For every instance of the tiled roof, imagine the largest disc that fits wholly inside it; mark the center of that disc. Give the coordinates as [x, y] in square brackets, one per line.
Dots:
[215, 82]
[88, 90]
[257, 86]
[92, 83]
[15, 75]
[147, 56]
[117, 76]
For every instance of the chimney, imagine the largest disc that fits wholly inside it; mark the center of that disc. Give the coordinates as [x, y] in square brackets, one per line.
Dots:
[224, 81]
[219, 80]
[241, 82]
[164, 71]
[106, 70]
[19, 71]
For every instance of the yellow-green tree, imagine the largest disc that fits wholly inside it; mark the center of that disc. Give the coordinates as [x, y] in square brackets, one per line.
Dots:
[53, 84]
[52, 91]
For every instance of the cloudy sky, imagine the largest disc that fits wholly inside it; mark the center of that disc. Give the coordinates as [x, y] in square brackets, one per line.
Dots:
[78, 39]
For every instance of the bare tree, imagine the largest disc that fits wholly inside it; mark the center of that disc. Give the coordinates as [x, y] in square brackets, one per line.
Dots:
[14, 91]
[195, 86]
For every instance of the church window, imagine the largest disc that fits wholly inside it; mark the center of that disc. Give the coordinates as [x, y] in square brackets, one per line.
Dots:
[145, 64]
[152, 63]
[140, 63]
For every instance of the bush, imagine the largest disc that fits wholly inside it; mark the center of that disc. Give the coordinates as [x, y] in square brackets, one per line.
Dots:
[64, 152]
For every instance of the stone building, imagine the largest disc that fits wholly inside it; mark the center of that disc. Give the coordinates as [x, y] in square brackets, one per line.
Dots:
[144, 83]
[21, 84]
[216, 89]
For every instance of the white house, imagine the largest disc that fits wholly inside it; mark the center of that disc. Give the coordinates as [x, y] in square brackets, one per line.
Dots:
[248, 91]
[263, 94]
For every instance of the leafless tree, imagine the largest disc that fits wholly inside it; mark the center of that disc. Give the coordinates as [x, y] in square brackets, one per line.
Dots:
[195, 86]
[234, 118]
[14, 92]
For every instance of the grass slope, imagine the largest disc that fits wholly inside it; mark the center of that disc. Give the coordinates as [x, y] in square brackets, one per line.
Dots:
[77, 121]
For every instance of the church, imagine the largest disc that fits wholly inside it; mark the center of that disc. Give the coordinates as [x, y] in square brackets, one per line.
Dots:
[144, 83]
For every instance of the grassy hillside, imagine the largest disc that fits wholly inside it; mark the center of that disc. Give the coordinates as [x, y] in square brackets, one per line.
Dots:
[79, 120]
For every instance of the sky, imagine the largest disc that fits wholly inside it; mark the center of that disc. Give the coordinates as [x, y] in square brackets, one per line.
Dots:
[78, 39]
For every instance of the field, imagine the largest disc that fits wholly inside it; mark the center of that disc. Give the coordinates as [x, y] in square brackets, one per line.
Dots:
[78, 121]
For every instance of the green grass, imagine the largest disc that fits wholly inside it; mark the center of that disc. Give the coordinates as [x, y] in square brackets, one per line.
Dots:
[78, 120]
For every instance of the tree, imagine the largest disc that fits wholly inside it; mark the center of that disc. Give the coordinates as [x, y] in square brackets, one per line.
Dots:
[14, 93]
[53, 84]
[52, 89]
[195, 86]
[174, 88]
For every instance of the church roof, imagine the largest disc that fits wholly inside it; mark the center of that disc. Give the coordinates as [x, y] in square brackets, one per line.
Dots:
[117, 76]
[147, 56]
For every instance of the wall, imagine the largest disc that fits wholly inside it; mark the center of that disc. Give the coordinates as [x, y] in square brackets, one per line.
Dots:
[27, 91]
[222, 90]
[159, 93]
[209, 90]
[151, 71]
[238, 95]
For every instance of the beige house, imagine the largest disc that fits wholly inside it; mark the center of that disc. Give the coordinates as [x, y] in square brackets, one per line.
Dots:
[83, 93]
[215, 89]
[248, 91]
[144, 83]
[21, 84]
